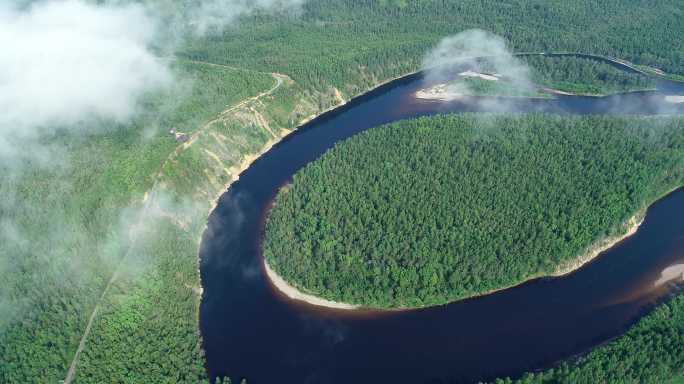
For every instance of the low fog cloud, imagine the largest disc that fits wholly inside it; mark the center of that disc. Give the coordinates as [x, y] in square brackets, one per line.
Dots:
[213, 15]
[465, 51]
[66, 61]
[68, 66]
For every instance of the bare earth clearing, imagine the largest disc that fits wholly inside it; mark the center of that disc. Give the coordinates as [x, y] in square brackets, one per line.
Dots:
[446, 92]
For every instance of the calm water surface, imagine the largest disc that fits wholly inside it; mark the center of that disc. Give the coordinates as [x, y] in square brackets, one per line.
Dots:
[252, 331]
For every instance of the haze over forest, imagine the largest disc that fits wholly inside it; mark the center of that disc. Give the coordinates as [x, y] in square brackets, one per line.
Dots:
[123, 122]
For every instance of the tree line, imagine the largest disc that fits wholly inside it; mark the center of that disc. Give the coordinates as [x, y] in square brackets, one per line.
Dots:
[432, 210]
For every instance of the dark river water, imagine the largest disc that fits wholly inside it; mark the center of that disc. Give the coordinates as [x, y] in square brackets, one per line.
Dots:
[252, 331]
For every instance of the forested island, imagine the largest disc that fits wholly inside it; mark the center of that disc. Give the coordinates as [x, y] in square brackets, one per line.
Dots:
[433, 210]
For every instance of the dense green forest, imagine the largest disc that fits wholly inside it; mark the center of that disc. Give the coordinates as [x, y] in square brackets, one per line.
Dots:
[354, 44]
[584, 76]
[427, 211]
[72, 222]
[651, 352]
[65, 230]
[545, 75]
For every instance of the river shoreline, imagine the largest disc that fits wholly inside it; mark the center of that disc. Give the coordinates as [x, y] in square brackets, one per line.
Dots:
[601, 246]
[290, 291]
[442, 92]
[554, 318]
[674, 99]
[293, 293]
[282, 286]
[670, 274]
[594, 251]
[249, 158]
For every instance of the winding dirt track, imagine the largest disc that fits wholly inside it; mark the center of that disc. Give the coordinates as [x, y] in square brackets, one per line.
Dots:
[149, 203]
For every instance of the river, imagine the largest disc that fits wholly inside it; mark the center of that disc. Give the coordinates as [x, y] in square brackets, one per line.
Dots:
[251, 330]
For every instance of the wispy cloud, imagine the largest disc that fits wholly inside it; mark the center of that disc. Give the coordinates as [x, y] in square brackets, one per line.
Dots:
[66, 61]
[214, 15]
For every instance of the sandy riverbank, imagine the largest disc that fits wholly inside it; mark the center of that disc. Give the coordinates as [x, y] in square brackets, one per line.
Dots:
[235, 172]
[446, 92]
[594, 251]
[671, 273]
[675, 99]
[441, 92]
[601, 246]
[295, 294]
[554, 91]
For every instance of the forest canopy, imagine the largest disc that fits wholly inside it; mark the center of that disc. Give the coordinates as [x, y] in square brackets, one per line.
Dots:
[432, 210]
[61, 227]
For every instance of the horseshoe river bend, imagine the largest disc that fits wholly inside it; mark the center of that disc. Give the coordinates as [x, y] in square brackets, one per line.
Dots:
[250, 329]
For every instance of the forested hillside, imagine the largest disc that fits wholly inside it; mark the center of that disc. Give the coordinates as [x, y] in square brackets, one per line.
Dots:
[353, 44]
[432, 210]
